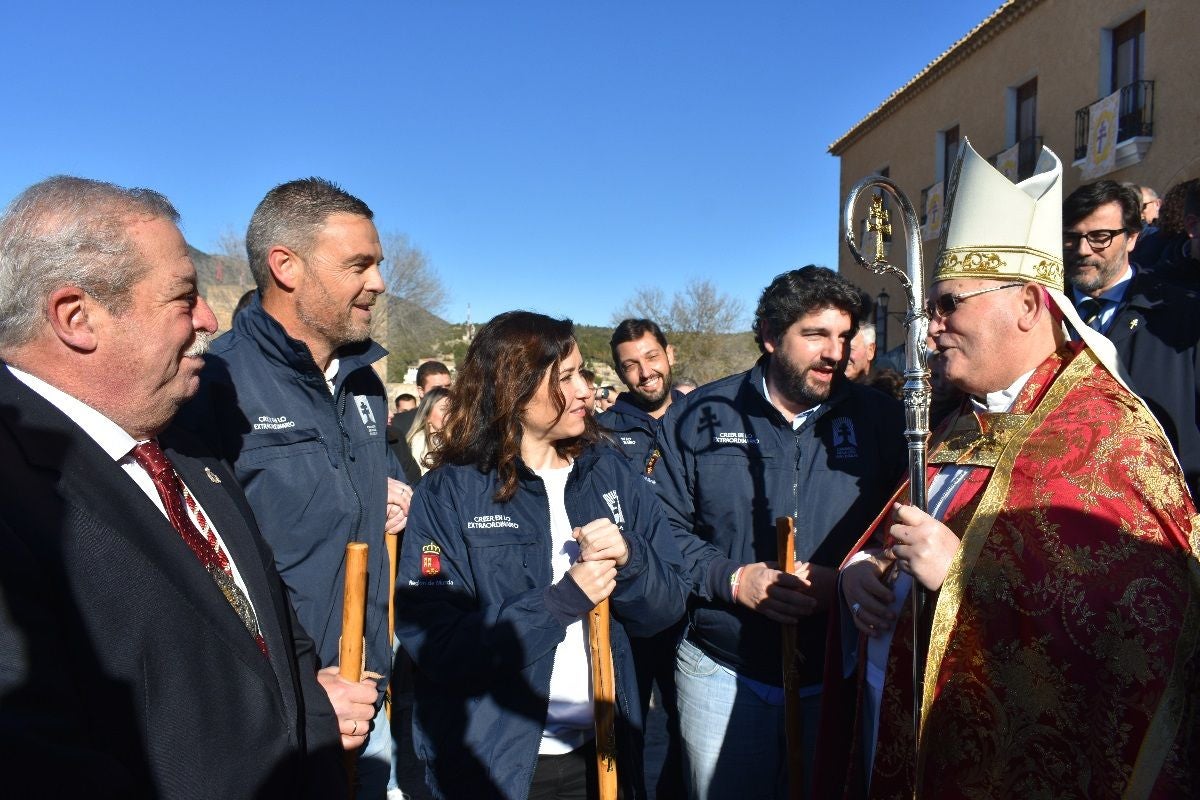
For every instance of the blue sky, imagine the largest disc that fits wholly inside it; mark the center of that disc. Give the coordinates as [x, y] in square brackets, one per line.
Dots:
[545, 155]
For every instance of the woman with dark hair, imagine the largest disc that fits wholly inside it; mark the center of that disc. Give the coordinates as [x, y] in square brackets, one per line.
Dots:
[527, 521]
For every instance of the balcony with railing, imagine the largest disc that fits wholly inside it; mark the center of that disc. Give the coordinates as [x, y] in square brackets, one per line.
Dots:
[1135, 121]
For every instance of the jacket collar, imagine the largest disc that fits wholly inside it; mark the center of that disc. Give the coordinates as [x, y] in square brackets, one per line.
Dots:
[255, 323]
[79, 469]
[583, 465]
[756, 377]
[1144, 291]
[626, 405]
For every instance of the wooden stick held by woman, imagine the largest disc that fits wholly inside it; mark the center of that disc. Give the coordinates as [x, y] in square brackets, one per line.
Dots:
[604, 697]
[391, 539]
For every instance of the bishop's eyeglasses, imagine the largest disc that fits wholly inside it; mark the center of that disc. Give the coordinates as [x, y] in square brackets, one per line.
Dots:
[944, 304]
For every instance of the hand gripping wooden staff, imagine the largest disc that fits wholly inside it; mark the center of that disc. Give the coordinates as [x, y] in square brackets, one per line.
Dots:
[604, 697]
[354, 609]
[785, 539]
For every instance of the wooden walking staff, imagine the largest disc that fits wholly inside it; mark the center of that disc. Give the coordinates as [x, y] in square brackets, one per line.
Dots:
[916, 373]
[604, 699]
[392, 541]
[785, 537]
[354, 610]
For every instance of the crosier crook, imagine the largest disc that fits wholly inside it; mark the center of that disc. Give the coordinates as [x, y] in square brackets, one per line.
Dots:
[916, 371]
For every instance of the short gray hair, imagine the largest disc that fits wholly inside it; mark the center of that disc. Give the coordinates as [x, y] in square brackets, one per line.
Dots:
[291, 215]
[868, 333]
[67, 231]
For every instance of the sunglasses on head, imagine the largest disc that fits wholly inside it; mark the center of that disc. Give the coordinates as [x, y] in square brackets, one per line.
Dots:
[944, 304]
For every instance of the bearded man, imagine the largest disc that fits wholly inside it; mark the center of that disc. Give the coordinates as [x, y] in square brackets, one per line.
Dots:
[644, 360]
[289, 398]
[791, 437]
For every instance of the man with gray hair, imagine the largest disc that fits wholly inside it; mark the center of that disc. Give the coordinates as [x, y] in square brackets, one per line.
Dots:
[147, 648]
[291, 401]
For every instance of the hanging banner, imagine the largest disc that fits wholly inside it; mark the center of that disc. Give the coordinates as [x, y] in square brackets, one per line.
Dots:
[933, 213]
[1007, 162]
[1102, 137]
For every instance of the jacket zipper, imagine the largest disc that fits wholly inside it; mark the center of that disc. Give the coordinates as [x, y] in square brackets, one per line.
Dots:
[339, 411]
[554, 654]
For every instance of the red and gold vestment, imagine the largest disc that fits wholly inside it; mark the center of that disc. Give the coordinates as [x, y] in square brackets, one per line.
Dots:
[1063, 655]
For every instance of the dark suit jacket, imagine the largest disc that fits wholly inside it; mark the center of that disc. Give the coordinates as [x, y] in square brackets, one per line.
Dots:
[397, 435]
[1156, 331]
[124, 672]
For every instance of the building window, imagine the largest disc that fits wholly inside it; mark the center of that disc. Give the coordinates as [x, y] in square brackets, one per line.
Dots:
[1027, 139]
[1122, 68]
[1128, 61]
[947, 152]
[1128, 52]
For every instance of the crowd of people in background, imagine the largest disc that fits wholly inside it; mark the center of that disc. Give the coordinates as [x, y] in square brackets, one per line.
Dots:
[176, 510]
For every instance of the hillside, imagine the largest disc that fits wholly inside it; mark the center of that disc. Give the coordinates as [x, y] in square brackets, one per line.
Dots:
[411, 333]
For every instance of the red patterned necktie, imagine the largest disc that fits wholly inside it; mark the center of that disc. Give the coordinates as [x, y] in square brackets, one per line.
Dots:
[177, 500]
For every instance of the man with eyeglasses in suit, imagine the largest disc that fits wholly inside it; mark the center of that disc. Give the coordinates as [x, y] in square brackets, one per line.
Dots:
[1153, 324]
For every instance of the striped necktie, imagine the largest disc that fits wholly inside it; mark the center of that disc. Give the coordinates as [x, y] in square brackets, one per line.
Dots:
[177, 500]
[1090, 310]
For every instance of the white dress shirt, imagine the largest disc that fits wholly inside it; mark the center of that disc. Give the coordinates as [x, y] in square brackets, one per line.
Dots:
[119, 445]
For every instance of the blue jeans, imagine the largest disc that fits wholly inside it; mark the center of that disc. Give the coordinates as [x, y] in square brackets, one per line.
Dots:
[734, 742]
[375, 760]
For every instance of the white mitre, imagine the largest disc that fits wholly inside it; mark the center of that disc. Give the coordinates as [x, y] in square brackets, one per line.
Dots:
[994, 229]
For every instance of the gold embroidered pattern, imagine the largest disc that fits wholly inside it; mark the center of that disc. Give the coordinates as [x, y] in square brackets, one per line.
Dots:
[1000, 261]
[971, 262]
[1049, 272]
[977, 439]
[1071, 602]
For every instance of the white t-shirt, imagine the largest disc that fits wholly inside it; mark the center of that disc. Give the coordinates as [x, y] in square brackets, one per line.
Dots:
[570, 721]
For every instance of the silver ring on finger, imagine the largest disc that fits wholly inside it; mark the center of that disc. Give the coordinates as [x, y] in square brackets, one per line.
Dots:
[854, 609]
[354, 730]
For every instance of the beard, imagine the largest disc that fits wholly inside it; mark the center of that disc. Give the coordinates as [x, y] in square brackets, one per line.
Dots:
[797, 385]
[1099, 273]
[652, 401]
[320, 312]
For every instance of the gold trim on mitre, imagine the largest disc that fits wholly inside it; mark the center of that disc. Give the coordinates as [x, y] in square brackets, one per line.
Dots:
[997, 230]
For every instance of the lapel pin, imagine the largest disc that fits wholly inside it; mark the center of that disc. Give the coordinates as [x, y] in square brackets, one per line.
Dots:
[1133, 323]
[212, 476]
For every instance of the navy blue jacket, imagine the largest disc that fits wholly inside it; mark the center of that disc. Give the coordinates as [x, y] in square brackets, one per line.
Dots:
[313, 465]
[732, 464]
[1156, 331]
[636, 432]
[477, 612]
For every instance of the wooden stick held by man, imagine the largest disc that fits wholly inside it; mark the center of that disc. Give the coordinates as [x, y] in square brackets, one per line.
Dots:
[785, 532]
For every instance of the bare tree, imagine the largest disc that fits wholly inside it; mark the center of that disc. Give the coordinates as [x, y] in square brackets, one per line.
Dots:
[409, 275]
[702, 323]
[231, 253]
[648, 302]
[409, 326]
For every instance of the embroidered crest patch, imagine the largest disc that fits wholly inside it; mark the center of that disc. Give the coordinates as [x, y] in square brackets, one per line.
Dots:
[431, 560]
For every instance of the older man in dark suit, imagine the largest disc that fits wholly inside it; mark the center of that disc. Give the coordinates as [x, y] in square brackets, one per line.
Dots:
[147, 648]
